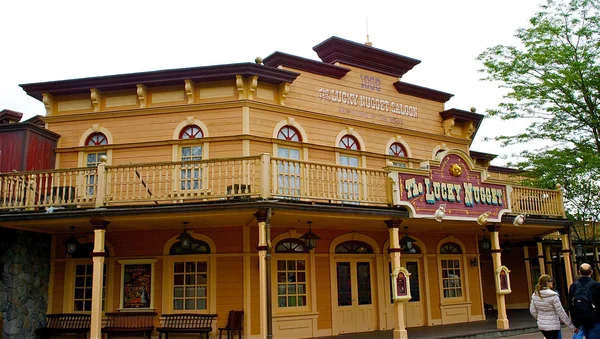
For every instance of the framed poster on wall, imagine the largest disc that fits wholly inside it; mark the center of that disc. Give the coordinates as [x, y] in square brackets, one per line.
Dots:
[137, 282]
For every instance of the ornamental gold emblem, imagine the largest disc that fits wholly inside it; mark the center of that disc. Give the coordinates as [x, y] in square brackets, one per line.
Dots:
[455, 170]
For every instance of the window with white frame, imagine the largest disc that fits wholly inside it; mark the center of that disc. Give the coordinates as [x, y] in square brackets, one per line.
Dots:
[82, 294]
[291, 274]
[82, 278]
[349, 185]
[191, 174]
[397, 151]
[191, 277]
[93, 159]
[450, 263]
[288, 179]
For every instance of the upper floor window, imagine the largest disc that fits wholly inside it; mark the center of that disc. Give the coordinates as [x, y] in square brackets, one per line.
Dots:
[349, 142]
[397, 150]
[289, 133]
[191, 174]
[96, 139]
[191, 132]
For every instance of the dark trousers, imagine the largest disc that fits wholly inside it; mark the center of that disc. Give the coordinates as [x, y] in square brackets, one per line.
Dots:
[550, 334]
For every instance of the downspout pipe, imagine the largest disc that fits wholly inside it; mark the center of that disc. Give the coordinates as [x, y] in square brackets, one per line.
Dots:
[268, 260]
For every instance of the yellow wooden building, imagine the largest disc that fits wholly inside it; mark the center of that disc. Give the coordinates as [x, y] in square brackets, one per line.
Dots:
[194, 191]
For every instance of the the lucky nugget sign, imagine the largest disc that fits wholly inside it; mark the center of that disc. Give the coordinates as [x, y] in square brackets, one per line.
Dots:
[453, 184]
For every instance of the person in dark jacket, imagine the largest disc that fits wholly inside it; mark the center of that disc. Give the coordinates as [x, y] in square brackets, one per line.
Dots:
[591, 331]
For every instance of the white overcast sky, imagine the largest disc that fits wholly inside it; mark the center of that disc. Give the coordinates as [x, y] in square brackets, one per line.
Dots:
[55, 40]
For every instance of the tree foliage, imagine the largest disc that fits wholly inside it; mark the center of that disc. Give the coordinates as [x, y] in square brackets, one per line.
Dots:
[553, 82]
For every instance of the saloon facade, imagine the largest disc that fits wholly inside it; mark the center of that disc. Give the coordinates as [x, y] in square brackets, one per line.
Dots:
[319, 197]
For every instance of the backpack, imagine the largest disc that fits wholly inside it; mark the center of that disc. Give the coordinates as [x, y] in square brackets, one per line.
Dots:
[583, 310]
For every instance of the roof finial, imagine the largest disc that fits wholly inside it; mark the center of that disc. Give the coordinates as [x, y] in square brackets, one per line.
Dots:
[368, 42]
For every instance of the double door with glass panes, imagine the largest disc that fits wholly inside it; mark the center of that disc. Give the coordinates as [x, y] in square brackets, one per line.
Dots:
[355, 308]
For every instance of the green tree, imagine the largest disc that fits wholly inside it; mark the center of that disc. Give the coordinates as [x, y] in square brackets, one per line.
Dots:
[553, 84]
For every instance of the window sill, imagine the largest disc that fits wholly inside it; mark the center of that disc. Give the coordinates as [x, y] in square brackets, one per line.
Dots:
[296, 314]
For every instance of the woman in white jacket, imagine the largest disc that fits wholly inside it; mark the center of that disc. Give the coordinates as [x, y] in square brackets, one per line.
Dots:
[547, 310]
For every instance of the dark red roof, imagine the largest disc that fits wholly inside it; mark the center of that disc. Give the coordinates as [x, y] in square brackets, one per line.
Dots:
[351, 53]
[316, 67]
[160, 78]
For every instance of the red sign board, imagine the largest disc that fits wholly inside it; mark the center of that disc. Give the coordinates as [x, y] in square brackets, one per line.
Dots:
[454, 184]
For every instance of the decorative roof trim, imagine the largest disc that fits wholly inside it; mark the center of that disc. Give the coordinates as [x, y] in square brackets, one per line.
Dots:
[316, 67]
[504, 170]
[422, 92]
[32, 124]
[482, 155]
[160, 78]
[462, 116]
[351, 53]
[10, 116]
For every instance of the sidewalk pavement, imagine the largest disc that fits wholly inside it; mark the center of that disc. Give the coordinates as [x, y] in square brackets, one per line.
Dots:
[520, 322]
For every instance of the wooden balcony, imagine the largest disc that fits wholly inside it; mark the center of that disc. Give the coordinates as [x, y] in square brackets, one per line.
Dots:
[231, 179]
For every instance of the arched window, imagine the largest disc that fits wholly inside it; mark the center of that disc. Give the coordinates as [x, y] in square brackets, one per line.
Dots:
[349, 142]
[450, 248]
[96, 139]
[354, 247]
[291, 245]
[292, 273]
[196, 247]
[92, 159]
[289, 133]
[190, 277]
[191, 132]
[397, 150]
[191, 174]
[450, 266]
[288, 178]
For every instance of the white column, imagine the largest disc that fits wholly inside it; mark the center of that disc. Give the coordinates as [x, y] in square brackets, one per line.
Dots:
[98, 257]
[394, 234]
[261, 216]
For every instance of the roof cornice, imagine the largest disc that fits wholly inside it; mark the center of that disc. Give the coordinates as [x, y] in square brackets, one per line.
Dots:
[363, 56]
[312, 66]
[160, 78]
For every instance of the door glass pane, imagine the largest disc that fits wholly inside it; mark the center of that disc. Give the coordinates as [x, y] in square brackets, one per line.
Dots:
[344, 282]
[363, 277]
[413, 269]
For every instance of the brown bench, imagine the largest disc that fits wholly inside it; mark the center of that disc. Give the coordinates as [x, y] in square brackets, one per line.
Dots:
[186, 323]
[129, 323]
[65, 323]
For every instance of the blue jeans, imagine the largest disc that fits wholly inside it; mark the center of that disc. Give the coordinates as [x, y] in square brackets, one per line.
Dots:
[589, 333]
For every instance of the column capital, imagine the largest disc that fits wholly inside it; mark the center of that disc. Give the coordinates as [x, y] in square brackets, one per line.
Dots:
[493, 227]
[261, 215]
[564, 230]
[393, 223]
[99, 224]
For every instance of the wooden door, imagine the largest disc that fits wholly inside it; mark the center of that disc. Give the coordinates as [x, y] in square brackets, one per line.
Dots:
[355, 311]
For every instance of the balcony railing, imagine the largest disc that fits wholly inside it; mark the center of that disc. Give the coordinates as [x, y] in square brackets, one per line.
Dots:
[535, 201]
[232, 179]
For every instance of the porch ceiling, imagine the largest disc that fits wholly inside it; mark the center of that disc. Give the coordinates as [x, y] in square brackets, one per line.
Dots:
[285, 215]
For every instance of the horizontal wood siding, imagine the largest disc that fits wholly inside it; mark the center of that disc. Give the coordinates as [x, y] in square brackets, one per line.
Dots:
[323, 293]
[230, 291]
